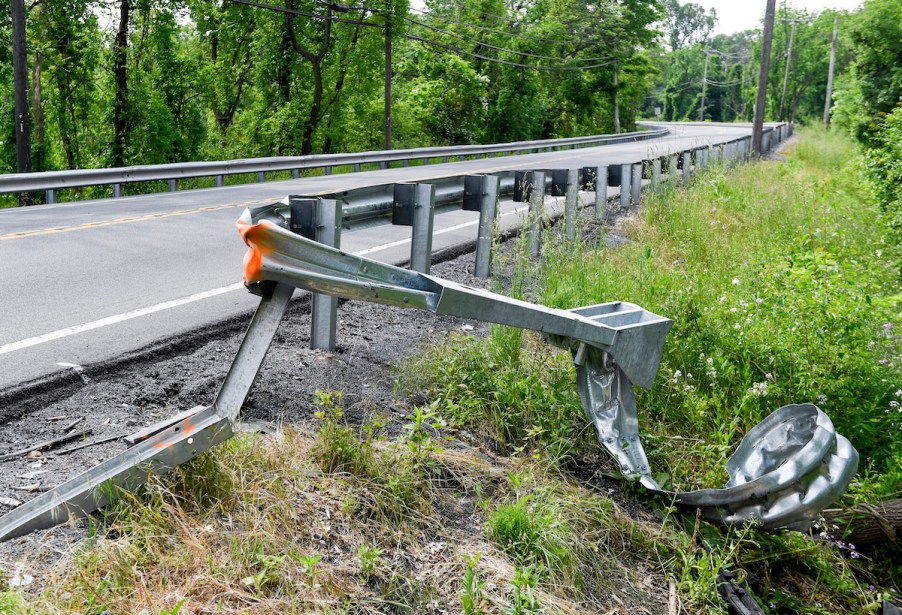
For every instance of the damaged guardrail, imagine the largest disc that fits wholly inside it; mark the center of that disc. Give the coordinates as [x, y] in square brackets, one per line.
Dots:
[783, 473]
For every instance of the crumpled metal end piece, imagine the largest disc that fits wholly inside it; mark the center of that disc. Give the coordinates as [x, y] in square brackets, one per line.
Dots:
[784, 472]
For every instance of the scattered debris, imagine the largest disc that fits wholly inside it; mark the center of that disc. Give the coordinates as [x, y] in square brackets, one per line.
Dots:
[40, 446]
[32, 488]
[21, 581]
[9, 502]
[84, 445]
[33, 474]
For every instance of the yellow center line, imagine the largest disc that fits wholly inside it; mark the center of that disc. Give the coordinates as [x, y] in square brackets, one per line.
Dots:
[186, 212]
[127, 220]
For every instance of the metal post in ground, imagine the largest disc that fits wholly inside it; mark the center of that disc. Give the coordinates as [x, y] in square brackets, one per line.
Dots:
[626, 171]
[536, 182]
[672, 169]
[481, 194]
[636, 183]
[656, 175]
[423, 217]
[570, 199]
[596, 179]
[687, 166]
[320, 220]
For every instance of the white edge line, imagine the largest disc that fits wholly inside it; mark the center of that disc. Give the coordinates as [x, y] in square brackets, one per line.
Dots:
[112, 320]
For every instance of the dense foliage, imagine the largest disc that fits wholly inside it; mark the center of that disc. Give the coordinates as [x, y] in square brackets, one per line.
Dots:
[868, 102]
[733, 64]
[119, 82]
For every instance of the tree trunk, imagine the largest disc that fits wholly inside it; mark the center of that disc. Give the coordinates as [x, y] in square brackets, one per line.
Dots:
[867, 524]
[20, 80]
[316, 104]
[37, 112]
[616, 102]
[120, 72]
[761, 95]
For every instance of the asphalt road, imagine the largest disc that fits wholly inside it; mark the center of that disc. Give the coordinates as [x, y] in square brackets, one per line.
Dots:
[83, 283]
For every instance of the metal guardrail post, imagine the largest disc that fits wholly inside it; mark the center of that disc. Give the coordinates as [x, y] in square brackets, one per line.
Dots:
[261, 177]
[601, 191]
[656, 175]
[536, 182]
[570, 199]
[173, 185]
[51, 197]
[117, 191]
[319, 220]
[220, 180]
[625, 174]
[636, 182]
[687, 166]
[672, 169]
[481, 194]
[413, 205]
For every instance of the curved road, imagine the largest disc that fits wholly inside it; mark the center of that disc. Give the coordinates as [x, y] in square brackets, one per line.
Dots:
[87, 282]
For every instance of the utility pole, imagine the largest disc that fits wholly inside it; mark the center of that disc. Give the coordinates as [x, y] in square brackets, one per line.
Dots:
[701, 111]
[616, 102]
[792, 35]
[767, 41]
[20, 80]
[830, 73]
[386, 130]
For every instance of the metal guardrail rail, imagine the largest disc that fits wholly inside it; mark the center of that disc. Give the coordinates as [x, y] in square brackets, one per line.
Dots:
[52, 181]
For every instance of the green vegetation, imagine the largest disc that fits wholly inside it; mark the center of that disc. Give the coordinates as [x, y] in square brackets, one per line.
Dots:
[123, 82]
[781, 290]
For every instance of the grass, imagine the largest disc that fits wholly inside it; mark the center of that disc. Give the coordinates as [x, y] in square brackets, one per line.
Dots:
[783, 288]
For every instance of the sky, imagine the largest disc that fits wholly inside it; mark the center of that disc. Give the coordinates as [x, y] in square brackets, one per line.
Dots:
[738, 15]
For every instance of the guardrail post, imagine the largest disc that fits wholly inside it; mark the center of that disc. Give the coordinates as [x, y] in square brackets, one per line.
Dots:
[220, 180]
[117, 191]
[636, 183]
[672, 169]
[320, 220]
[596, 178]
[51, 197]
[656, 175]
[261, 177]
[625, 174]
[687, 166]
[481, 194]
[559, 178]
[329, 169]
[570, 199]
[414, 205]
[536, 182]
[173, 185]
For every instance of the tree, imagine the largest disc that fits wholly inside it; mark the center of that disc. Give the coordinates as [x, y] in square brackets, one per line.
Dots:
[20, 78]
[687, 24]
